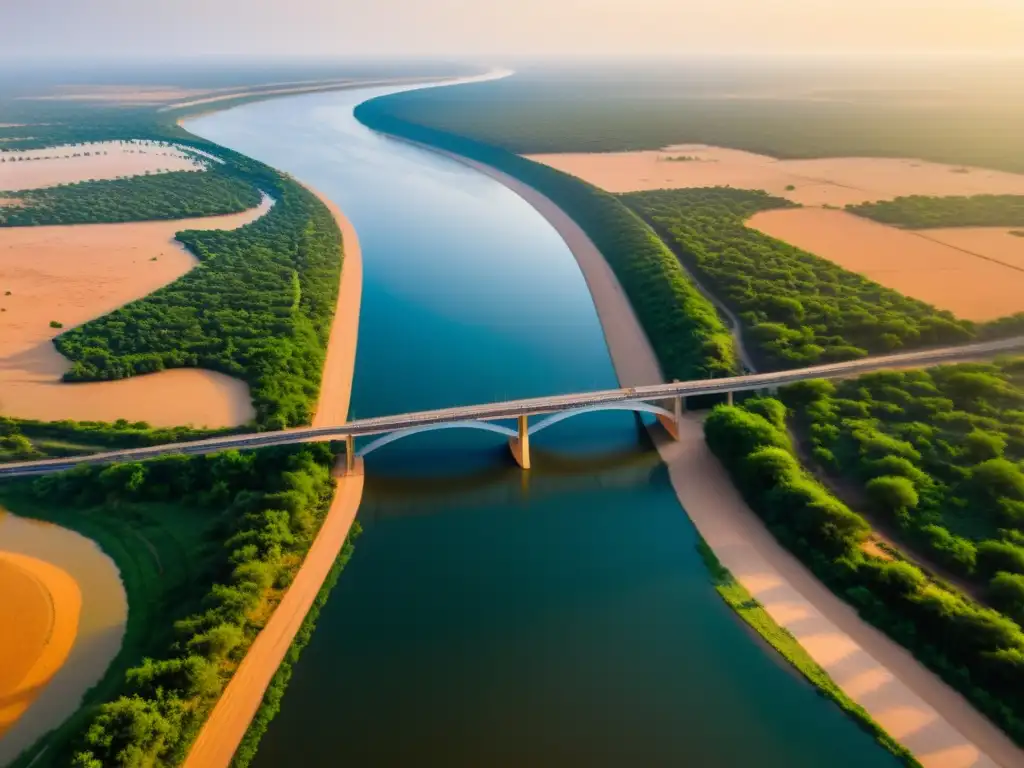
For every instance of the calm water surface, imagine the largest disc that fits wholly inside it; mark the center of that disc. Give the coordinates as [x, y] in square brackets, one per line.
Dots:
[491, 617]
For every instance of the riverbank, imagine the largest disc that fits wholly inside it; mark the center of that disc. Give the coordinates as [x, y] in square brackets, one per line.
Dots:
[911, 703]
[226, 727]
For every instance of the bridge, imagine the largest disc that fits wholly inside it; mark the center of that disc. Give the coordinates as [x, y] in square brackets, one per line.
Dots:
[665, 401]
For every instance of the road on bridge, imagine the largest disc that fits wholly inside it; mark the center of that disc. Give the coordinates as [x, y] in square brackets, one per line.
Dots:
[511, 409]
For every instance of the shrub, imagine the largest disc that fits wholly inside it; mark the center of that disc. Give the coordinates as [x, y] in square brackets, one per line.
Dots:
[892, 495]
[996, 556]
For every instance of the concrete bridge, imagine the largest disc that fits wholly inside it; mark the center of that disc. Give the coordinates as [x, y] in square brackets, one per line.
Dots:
[665, 401]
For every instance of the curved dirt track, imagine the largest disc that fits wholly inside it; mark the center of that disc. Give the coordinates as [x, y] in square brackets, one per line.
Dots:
[916, 707]
[226, 726]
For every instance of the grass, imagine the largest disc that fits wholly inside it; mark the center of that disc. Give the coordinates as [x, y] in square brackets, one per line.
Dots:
[165, 554]
[755, 615]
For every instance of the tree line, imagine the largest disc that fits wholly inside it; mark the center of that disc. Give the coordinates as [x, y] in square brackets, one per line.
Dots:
[977, 650]
[797, 309]
[173, 195]
[923, 212]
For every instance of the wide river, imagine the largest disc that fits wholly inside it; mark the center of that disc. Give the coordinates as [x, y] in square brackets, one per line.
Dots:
[491, 617]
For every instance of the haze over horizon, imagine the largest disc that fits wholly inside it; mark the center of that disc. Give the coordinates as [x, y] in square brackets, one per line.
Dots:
[112, 28]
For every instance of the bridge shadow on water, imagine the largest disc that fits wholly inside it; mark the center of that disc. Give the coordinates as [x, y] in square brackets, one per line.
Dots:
[474, 470]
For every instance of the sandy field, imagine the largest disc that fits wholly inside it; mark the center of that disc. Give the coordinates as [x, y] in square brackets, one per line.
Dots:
[833, 181]
[71, 274]
[40, 608]
[65, 165]
[996, 243]
[120, 94]
[927, 265]
[912, 704]
[65, 599]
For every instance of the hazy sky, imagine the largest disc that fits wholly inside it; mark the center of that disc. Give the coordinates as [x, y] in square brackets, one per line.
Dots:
[503, 27]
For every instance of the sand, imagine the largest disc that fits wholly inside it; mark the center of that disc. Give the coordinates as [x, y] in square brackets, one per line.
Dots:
[340, 365]
[223, 731]
[39, 612]
[120, 94]
[911, 703]
[834, 181]
[69, 608]
[915, 263]
[49, 167]
[72, 274]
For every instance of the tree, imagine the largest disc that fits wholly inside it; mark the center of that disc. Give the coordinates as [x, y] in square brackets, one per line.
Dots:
[1006, 592]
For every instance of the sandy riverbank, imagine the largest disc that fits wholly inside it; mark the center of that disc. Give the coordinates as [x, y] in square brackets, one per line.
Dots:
[228, 722]
[340, 366]
[72, 274]
[39, 611]
[80, 590]
[913, 704]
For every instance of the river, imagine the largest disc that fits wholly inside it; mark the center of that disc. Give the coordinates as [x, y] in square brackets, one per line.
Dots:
[489, 616]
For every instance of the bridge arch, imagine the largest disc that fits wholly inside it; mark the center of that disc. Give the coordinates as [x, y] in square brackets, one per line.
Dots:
[391, 437]
[636, 406]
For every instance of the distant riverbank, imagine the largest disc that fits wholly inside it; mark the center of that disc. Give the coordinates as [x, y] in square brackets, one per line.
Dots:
[911, 703]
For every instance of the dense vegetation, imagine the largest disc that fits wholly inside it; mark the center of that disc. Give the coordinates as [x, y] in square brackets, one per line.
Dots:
[976, 649]
[260, 511]
[259, 307]
[922, 212]
[22, 439]
[755, 615]
[682, 325]
[831, 109]
[797, 309]
[175, 195]
[937, 454]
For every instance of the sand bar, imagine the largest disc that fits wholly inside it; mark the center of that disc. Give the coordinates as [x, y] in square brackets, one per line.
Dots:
[86, 610]
[72, 274]
[49, 167]
[835, 181]
[911, 703]
[39, 615]
[226, 726]
[915, 263]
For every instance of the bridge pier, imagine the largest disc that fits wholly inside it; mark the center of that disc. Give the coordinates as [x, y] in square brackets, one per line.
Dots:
[672, 425]
[728, 398]
[350, 453]
[520, 445]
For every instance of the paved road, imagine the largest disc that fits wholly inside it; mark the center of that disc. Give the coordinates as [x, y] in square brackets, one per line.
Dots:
[530, 406]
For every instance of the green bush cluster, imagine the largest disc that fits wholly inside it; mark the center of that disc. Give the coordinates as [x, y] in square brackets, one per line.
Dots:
[37, 439]
[174, 195]
[274, 501]
[976, 649]
[938, 452]
[688, 337]
[258, 307]
[922, 212]
[797, 309]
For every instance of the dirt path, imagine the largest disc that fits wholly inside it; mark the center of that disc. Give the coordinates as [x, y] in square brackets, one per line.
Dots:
[914, 705]
[224, 729]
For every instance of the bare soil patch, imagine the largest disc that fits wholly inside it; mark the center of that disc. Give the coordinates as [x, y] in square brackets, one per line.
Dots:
[827, 181]
[72, 274]
[914, 263]
[997, 243]
[35, 168]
